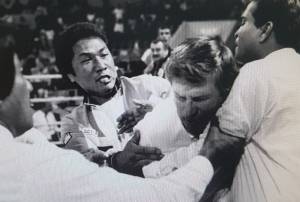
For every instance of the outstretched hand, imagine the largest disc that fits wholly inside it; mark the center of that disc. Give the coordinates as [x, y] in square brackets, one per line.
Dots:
[132, 159]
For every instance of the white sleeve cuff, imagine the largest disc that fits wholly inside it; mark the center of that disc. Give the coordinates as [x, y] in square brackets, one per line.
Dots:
[152, 170]
[196, 174]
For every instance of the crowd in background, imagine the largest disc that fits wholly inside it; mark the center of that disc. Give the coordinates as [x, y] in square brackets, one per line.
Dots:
[129, 25]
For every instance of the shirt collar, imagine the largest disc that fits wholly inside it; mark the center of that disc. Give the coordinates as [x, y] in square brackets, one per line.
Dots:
[87, 101]
[203, 134]
[4, 132]
[282, 51]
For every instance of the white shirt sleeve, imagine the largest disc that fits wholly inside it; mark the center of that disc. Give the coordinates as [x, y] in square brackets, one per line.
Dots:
[172, 161]
[32, 136]
[147, 56]
[158, 87]
[144, 87]
[60, 175]
[244, 109]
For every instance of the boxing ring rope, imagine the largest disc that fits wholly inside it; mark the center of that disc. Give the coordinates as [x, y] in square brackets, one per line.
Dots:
[56, 99]
[43, 77]
[50, 99]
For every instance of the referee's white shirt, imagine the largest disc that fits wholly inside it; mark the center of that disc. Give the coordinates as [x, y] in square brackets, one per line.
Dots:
[39, 171]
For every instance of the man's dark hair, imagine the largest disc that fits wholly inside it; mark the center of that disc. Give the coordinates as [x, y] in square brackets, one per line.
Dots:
[68, 38]
[7, 66]
[285, 15]
[165, 26]
[197, 59]
[7, 71]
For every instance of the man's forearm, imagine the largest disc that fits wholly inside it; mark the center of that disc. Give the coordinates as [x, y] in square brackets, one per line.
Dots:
[221, 148]
[224, 152]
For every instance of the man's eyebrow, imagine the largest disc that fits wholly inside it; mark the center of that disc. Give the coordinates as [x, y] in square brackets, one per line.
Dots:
[202, 97]
[88, 54]
[176, 94]
[102, 49]
[85, 54]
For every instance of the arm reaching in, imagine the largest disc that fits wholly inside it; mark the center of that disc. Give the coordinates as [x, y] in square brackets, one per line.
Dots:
[224, 151]
[131, 117]
[132, 159]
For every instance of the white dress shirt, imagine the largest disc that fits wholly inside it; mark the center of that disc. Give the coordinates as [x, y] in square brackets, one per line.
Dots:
[162, 127]
[263, 107]
[176, 159]
[172, 161]
[40, 171]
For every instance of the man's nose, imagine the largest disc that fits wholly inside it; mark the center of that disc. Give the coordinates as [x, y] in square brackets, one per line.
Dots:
[99, 63]
[189, 112]
[236, 33]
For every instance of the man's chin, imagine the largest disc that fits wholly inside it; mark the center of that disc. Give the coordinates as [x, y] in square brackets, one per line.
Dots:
[108, 85]
[194, 131]
[241, 58]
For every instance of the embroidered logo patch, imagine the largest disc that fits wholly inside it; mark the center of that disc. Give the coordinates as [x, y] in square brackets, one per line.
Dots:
[88, 131]
[67, 138]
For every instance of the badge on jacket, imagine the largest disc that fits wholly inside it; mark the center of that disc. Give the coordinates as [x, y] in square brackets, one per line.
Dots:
[67, 138]
[88, 131]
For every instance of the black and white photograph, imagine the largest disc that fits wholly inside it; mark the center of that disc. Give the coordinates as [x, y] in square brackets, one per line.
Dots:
[149, 100]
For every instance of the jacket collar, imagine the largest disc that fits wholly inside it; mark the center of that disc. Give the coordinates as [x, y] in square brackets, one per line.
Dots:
[89, 102]
[4, 132]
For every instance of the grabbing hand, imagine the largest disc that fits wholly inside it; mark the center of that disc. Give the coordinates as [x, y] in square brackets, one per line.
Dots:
[132, 159]
[131, 117]
[220, 148]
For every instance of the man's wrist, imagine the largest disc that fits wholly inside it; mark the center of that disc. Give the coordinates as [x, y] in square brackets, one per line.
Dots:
[111, 160]
[208, 153]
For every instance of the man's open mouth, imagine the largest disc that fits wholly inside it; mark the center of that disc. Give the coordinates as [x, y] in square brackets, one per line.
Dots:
[104, 79]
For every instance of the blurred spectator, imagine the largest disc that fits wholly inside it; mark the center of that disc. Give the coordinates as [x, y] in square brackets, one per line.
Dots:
[28, 64]
[160, 52]
[100, 23]
[136, 65]
[118, 12]
[44, 120]
[183, 7]
[163, 33]
[118, 33]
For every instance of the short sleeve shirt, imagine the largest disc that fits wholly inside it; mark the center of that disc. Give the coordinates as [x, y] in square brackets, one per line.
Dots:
[263, 107]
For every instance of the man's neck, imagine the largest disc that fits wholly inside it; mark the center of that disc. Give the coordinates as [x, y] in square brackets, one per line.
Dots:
[98, 100]
[270, 48]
